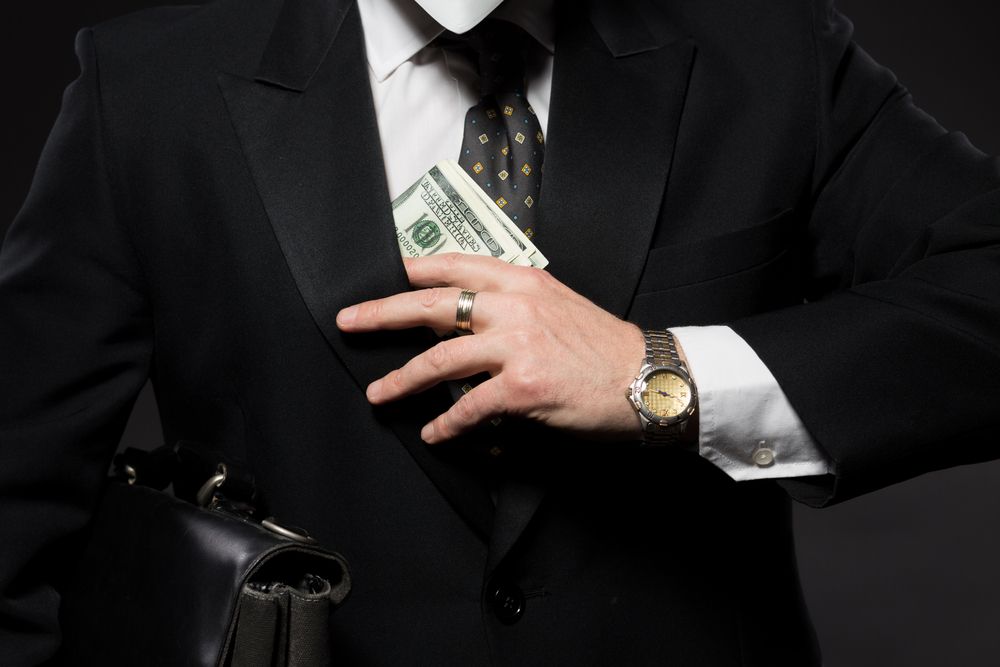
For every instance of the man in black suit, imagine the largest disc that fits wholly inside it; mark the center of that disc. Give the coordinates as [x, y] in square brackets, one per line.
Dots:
[212, 198]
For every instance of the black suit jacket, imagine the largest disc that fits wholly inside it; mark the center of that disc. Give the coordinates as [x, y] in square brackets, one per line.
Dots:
[213, 193]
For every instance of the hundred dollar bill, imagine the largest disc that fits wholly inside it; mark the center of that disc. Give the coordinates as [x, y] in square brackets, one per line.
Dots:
[432, 217]
[445, 211]
[511, 230]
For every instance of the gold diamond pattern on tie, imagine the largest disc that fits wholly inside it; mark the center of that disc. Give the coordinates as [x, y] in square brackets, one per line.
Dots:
[496, 149]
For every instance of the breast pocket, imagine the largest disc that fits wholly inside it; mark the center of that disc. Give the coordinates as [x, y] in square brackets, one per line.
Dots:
[721, 278]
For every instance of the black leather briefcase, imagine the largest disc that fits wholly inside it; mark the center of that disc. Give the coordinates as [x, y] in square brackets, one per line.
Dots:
[174, 583]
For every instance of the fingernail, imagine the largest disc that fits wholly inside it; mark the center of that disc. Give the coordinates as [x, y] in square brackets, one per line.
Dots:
[347, 316]
[374, 389]
[427, 433]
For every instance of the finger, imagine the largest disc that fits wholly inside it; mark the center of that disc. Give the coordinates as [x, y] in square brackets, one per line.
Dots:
[479, 405]
[477, 272]
[434, 307]
[449, 360]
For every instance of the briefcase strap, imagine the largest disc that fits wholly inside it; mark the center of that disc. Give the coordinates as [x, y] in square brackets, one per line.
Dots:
[187, 465]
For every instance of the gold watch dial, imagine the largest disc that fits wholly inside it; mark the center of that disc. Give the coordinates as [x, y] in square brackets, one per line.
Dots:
[666, 394]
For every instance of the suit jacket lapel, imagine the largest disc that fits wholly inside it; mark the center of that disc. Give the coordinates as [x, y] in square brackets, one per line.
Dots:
[307, 127]
[617, 96]
[618, 91]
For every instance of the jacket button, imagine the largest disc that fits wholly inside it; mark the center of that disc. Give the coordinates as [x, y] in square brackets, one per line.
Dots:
[507, 601]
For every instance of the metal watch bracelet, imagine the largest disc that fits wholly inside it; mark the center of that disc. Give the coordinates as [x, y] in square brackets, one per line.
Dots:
[661, 350]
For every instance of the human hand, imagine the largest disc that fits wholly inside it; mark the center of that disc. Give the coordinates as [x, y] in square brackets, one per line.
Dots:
[554, 356]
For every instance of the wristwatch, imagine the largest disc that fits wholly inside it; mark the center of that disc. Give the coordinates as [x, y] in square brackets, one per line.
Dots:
[663, 393]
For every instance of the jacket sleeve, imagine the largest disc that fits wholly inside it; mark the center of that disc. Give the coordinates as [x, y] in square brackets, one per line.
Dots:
[75, 348]
[893, 364]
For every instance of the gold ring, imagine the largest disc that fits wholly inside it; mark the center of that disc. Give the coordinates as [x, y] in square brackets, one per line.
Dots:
[463, 313]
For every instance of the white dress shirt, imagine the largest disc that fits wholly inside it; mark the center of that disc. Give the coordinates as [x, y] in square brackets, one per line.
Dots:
[421, 94]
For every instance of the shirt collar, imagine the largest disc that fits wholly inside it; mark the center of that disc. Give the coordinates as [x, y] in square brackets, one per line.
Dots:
[395, 30]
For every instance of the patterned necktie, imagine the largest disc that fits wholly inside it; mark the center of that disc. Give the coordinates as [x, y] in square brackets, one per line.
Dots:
[503, 145]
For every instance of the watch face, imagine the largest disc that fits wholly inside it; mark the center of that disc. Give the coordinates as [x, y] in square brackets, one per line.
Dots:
[666, 394]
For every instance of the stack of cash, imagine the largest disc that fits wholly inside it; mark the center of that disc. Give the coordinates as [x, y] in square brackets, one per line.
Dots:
[445, 211]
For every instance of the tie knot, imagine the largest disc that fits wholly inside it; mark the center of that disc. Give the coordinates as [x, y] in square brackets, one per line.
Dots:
[500, 48]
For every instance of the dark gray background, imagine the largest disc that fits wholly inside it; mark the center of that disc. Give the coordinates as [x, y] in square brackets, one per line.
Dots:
[905, 576]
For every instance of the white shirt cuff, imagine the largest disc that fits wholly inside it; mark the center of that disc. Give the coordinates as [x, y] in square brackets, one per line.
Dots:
[747, 427]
